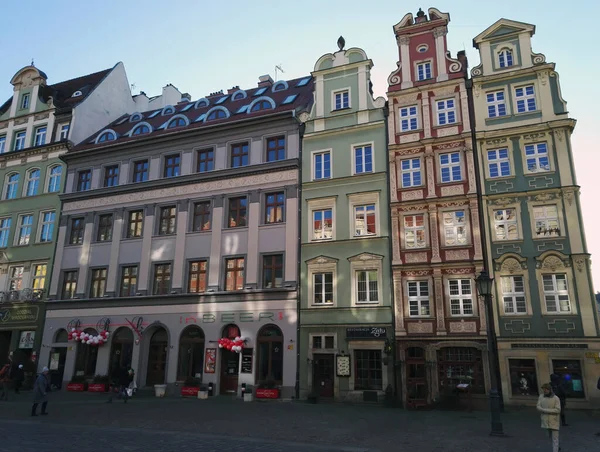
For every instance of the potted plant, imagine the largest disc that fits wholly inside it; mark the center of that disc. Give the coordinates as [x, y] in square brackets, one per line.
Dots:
[78, 383]
[248, 396]
[267, 390]
[191, 387]
[203, 392]
[100, 383]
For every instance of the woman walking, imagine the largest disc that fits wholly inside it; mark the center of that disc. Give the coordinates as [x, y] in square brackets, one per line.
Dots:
[549, 405]
[41, 388]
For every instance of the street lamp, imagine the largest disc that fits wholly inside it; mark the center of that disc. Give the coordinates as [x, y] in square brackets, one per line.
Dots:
[484, 287]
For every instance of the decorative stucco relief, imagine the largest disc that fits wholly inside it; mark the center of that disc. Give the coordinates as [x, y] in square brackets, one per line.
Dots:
[447, 131]
[579, 263]
[415, 258]
[420, 328]
[412, 195]
[538, 58]
[512, 265]
[453, 190]
[409, 138]
[463, 327]
[456, 255]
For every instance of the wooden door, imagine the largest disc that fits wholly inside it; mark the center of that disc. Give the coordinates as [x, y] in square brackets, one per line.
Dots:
[324, 374]
[416, 381]
[230, 362]
[157, 359]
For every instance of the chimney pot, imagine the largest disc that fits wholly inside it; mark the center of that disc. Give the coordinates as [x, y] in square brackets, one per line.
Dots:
[265, 80]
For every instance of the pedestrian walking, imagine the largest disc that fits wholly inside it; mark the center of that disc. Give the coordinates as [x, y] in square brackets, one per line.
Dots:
[549, 407]
[5, 379]
[124, 379]
[41, 388]
[18, 377]
[559, 389]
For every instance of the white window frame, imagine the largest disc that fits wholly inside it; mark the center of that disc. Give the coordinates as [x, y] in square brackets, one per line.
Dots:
[455, 226]
[364, 199]
[411, 171]
[311, 337]
[20, 226]
[321, 204]
[547, 220]
[2, 144]
[25, 101]
[525, 98]
[12, 278]
[443, 111]
[35, 278]
[424, 64]
[316, 266]
[414, 229]
[419, 299]
[43, 223]
[556, 293]
[20, 138]
[510, 297]
[64, 132]
[366, 262]
[461, 297]
[5, 231]
[314, 155]
[40, 138]
[537, 156]
[322, 231]
[323, 284]
[498, 160]
[367, 273]
[507, 223]
[406, 119]
[450, 165]
[364, 161]
[340, 92]
[29, 180]
[363, 211]
[496, 103]
[49, 178]
[503, 55]
[7, 186]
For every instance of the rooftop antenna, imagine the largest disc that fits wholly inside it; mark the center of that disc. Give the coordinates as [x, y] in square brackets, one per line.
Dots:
[278, 68]
[133, 85]
[32, 62]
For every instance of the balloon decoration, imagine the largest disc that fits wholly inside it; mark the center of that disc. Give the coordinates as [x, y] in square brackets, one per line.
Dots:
[89, 339]
[234, 345]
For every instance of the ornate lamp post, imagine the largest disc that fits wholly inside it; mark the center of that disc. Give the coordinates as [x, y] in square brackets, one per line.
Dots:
[484, 288]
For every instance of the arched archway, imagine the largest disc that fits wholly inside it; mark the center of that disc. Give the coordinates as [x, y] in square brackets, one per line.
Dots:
[269, 343]
[121, 351]
[230, 362]
[157, 357]
[87, 355]
[61, 336]
[58, 357]
[191, 353]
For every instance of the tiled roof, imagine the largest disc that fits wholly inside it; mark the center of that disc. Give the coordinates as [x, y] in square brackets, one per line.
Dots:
[234, 106]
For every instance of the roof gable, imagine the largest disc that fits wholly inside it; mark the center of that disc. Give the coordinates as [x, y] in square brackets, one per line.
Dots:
[503, 27]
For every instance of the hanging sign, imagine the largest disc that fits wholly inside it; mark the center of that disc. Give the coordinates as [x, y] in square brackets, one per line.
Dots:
[27, 339]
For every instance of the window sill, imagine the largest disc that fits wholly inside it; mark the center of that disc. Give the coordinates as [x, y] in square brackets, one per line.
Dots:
[525, 113]
[507, 242]
[322, 179]
[558, 314]
[359, 304]
[73, 245]
[204, 232]
[409, 132]
[322, 240]
[419, 317]
[453, 247]
[494, 118]
[271, 225]
[164, 236]
[442, 126]
[101, 242]
[413, 187]
[21, 246]
[557, 237]
[341, 109]
[494, 179]
[322, 305]
[363, 173]
[519, 315]
[42, 243]
[539, 173]
[451, 182]
[131, 239]
[366, 236]
[236, 228]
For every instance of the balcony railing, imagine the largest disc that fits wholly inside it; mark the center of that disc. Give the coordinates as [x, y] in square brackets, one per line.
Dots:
[23, 295]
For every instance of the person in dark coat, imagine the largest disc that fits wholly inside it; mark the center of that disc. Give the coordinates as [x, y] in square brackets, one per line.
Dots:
[558, 387]
[124, 379]
[41, 388]
[18, 377]
[5, 374]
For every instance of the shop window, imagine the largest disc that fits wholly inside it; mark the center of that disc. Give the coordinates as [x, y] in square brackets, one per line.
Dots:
[270, 354]
[368, 370]
[191, 353]
[121, 351]
[85, 360]
[523, 377]
[460, 365]
[570, 373]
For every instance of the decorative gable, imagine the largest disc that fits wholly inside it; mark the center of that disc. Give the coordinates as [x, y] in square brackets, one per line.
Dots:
[322, 260]
[365, 257]
[503, 28]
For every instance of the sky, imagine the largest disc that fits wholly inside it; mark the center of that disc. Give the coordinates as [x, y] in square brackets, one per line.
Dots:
[204, 46]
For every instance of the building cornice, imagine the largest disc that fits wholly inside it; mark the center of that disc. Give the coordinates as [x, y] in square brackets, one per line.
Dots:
[33, 151]
[341, 130]
[391, 95]
[342, 68]
[512, 74]
[520, 129]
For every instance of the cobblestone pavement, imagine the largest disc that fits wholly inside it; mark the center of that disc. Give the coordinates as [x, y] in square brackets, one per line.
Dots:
[86, 422]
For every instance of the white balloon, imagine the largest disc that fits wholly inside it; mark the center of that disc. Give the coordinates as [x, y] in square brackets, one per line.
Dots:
[72, 330]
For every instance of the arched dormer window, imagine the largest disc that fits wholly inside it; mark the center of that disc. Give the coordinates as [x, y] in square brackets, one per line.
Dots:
[11, 186]
[505, 58]
[54, 179]
[241, 94]
[201, 103]
[141, 129]
[135, 117]
[168, 110]
[279, 86]
[262, 103]
[107, 135]
[177, 121]
[32, 182]
[77, 94]
[217, 113]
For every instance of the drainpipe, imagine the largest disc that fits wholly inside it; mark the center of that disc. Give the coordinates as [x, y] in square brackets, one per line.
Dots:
[301, 129]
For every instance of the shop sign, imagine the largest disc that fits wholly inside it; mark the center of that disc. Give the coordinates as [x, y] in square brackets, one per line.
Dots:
[593, 355]
[19, 314]
[27, 339]
[576, 346]
[54, 361]
[234, 317]
[366, 332]
[247, 361]
[210, 360]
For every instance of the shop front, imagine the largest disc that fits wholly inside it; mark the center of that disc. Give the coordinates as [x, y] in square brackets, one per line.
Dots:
[173, 344]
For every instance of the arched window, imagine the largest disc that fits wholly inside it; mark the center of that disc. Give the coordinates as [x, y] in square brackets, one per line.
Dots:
[241, 94]
[61, 336]
[141, 130]
[261, 105]
[168, 110]
[77, 94]
[216, 114]
[191, 353]
[121, 351]
[202, 103]
[270, 354]
[12, 186]
[33, 182]
[109, 135]
[135, 117]
[157, 357]
[279, 86]
[54, 179]
[87, 355]
[177, 122]
[505, 58]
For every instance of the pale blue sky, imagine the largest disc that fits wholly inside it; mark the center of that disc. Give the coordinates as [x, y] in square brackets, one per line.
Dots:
[201, 47]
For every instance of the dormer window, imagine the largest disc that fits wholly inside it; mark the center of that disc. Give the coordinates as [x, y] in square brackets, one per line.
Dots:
[201, 103]
[25, 101]
[261, 105]
[135, 117]
[279, 86]
[216, 114]
[424, 71]
[168, 110]
[505, 58]
[77, 94]
[238, 95]
[177, 122]
[141, 130]
[109, 135]
[341, 99]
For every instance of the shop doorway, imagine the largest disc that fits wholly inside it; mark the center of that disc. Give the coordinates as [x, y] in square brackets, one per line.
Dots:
[157, 358]
[323, 374]
[121, 352]
[191, 353]
[4, 345]
[416, 378]
[58, 357]
[87, 355]
[270, 355]
[230, 363]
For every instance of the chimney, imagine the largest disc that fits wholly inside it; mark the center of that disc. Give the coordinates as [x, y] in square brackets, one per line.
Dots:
[233, 89]
[462, 57]
[185, 97]
[265, 80]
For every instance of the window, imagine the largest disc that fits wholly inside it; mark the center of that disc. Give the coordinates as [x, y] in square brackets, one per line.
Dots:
[322, 165]
[505, 58]
[40, 136]
[86, 357]
[234, 274]
[525, 97]
[238, 212]
[206, 160]
[105, 223]
[4, 231]
[261, 105]
[418, 299]
[322, 224]
[342, 99]
[39, 276]
[140, 171]
[274, 207]
[2, 144]
[12, 186]
[505, 224]
[546, 221]
[450, 167]
[25, 101]
[33, 182]
[424, 71]
[461, 297]
[197, 277]
[47, 226]
[460, 365]
[172, 165]
[135, 223]
[239, 155]
[408, 118]
[84, 180]
[536, 156]
[24, 234]
[98, 283]
[176, 122]
[162, 279]
[168, 217]
[16, 278]
[513, 295]
[323, 342]
[64, 132]
[141, 130]
[570, 374]
[69, 284]
[77, 229]
[191, 353]
[275, 149]
[272, 271]
[364, 220]
[367, 290]
[498, 163]
[111, 176]
[201, 220]
[129, 276]
[368, 370]
[446, 110]
[455, 231]
[410, 172]
[496, 104]
[414, 231]
[54, 179]
[19, 141]
[107, 136]
[363, 159]
[556, 293]
[216, 114]
[323, 288]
